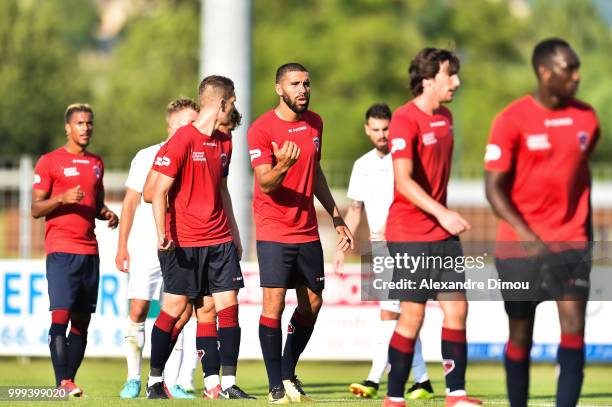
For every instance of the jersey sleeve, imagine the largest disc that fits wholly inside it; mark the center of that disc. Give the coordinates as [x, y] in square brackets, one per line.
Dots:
[503, 145]
[355, 189]
[137, 176]
[42, 176]
[260, 146]
[171, 158]
[403, 135]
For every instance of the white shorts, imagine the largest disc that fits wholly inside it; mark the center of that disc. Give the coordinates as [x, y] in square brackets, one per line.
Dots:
[145, 278]
[393, 306]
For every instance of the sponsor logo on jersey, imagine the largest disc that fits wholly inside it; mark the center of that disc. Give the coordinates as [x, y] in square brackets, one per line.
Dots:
[560, 122]
[37, 179]
[198, 156]
[397, 144]
[317, 143]
[223, 160]
[492, 153]
[583, 140]
[538, 142]
[255, 154]
[209, 144]
[440, 123]
[80, 161]
[162, 161]
[295, 130]
[71, 172]
[429, 138]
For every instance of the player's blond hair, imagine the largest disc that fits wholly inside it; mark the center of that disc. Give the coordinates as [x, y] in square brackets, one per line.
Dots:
[180, 104]
[77, 107]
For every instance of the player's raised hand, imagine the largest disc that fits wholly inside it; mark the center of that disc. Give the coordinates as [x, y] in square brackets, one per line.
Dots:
[453, 223]
[163, 243]
[72, 195]
[338, 262]
[110, 216]
[287, 155]
[122, 260]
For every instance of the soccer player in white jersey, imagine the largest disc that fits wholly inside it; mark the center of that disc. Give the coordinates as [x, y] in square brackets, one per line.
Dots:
[371, 188]
[139, 257]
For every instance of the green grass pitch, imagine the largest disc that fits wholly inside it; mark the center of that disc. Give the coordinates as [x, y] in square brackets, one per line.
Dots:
[327, 382]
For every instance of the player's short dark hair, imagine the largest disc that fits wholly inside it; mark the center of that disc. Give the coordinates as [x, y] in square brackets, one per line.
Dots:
[426, 65]
[290, 67]
[180, 104]
[218, 82]
[236, 118]
[544, 50]
[76, 108]
[378, 111]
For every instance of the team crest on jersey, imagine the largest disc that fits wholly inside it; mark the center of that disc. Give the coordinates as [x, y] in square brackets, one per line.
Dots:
[97, 171]
[448, 365]
[583, 140]
[223, 160]
[317, 143]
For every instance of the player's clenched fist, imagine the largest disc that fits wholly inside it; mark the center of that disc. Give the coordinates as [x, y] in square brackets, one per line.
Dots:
[287, 155]
[73, 195]
[453, 222]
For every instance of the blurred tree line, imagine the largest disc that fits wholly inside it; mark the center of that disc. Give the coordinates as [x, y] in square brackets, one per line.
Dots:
[358, 53]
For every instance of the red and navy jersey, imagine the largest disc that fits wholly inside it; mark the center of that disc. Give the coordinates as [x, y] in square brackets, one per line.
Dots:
[427, 140]
[70, 227]
[287, 215]
[547, 151]
[197, 162]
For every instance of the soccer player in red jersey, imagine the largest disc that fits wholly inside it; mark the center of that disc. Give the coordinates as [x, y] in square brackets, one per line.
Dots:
[68, 191]
[139, 258]
[538, 183]
[196, 235]
[285, 148]
[420, 224]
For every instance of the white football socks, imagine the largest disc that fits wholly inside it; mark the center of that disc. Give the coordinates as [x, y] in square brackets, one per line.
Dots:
[134, 341]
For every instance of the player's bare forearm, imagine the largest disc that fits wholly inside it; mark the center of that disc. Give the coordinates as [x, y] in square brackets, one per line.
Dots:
[43, 207]
[270, 178]
[323, 194]
[412, 191]
[228, 207]
[128, 210]
[497, 189]
[149, 186]
[160, 198]
[353, 215]
[43, 204]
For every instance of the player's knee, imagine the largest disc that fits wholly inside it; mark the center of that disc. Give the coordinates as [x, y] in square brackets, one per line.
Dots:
[138, 313]
[79, 323]
[520, 332]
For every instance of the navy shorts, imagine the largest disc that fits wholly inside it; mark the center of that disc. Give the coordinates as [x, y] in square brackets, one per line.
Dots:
[434, 257]
[199, 271]
[287, 265]
[72, 281]
[556, 276]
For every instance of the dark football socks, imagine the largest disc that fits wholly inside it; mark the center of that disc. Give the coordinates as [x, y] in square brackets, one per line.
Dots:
[299, 332]
[270, 339]
[516, 363]
[454, 358]
[401, 351]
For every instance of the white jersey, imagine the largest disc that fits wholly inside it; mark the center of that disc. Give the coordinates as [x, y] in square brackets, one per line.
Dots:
[145, 280]
[143, 229]
[372, 183]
